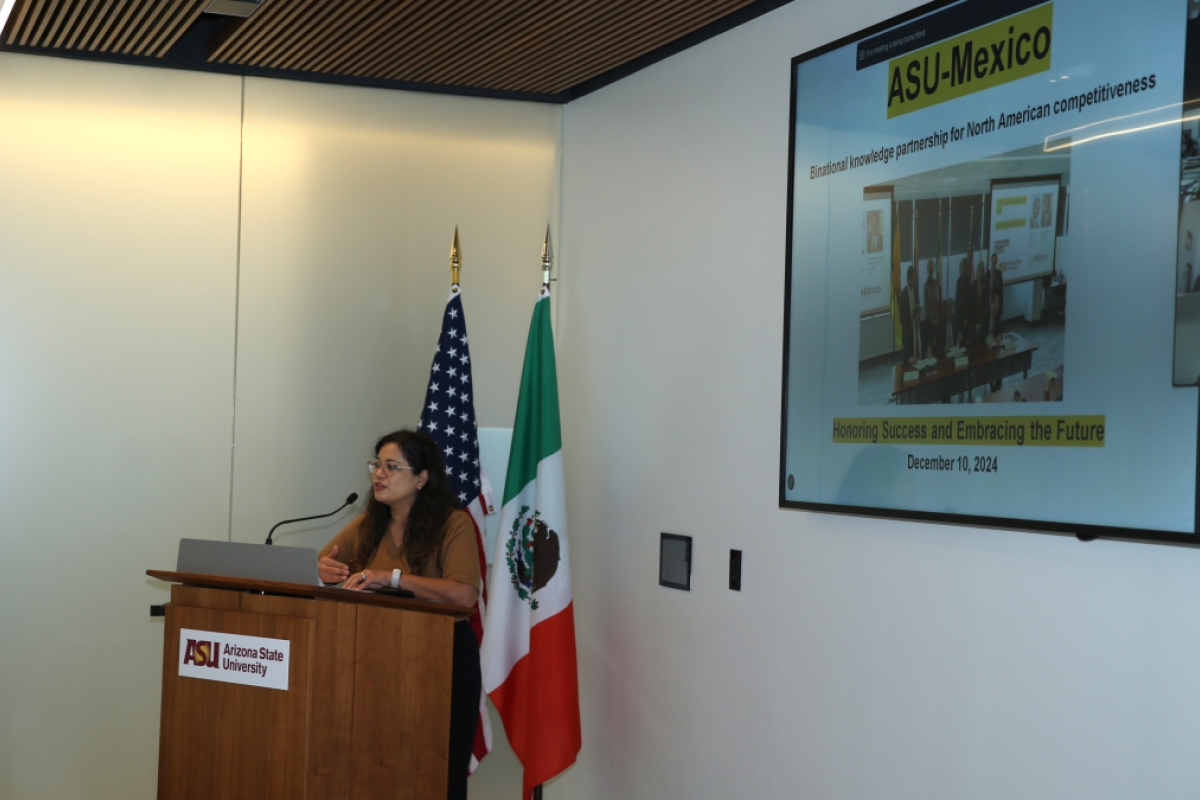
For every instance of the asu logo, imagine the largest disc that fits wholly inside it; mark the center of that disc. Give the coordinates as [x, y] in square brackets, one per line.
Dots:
[202, 654]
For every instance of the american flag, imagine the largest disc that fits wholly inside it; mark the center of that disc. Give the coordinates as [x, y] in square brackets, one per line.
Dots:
[449, 418]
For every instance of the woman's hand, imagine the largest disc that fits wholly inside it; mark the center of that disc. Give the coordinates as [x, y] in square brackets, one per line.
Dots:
[330, 570]
[368, 579]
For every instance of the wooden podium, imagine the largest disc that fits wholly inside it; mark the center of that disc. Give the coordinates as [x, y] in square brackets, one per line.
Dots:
[366, 713]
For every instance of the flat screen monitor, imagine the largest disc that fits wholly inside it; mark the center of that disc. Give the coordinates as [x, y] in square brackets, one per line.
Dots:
[992, 306]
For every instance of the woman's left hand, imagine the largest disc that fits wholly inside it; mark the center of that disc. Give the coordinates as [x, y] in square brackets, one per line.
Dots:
[368, 579]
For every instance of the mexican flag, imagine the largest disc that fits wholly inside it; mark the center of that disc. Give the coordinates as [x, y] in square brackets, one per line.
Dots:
[529, 640]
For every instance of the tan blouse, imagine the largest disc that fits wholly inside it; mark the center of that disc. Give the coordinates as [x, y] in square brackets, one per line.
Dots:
[457, 559]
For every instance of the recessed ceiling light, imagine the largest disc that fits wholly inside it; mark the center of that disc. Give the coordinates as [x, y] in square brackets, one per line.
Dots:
[5, 11]
[232, 8]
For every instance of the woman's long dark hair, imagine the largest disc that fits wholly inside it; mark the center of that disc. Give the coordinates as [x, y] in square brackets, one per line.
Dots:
[426, 526]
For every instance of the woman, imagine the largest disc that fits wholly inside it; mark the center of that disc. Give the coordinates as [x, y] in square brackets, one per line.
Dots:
[413, 536]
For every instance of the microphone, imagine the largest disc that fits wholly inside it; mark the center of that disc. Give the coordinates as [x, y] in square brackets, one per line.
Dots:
[353, 496]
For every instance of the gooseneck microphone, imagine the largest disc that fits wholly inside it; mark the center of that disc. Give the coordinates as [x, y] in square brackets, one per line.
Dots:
[353, 496]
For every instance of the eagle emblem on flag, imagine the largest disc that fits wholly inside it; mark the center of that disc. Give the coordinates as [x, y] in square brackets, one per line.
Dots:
[532, 554]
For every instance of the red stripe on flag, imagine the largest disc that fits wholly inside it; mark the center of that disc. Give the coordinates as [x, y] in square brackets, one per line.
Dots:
[539, 702]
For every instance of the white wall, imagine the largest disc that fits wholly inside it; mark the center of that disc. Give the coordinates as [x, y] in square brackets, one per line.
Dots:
[863, 658]
[124, 316]
[118, 223]
[350, 199]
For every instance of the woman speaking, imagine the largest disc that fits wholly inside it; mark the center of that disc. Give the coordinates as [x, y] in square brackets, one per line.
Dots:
[413, 536]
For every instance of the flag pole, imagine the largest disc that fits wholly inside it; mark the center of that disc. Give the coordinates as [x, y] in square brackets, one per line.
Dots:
[455, 259]
[941, 242]
[971, 241]
[916, 301]
[546, 262]
[441, 416]
[529, 657]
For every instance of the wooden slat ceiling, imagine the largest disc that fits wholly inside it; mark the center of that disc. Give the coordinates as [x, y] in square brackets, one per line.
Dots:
[537, 48]
[129, 27]
[544, 47]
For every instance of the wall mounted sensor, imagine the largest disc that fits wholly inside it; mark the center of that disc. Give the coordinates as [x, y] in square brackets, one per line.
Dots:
[675, 561]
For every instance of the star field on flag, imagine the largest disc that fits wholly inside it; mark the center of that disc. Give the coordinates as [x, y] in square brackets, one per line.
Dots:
[449, 412]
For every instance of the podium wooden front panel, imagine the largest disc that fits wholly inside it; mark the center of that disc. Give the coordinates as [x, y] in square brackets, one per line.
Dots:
[404, 656]
[366, 714]
[226, 740]
[331, 768]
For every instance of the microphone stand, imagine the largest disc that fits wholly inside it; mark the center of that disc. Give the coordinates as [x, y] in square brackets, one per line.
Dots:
[353, 496]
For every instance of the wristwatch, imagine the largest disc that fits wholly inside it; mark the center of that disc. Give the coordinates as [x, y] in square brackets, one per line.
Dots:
[395, 579]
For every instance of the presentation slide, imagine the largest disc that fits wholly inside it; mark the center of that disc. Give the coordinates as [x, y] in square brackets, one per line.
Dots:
[1007, 178]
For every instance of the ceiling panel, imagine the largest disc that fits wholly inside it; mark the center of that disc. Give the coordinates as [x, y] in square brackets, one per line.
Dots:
[515, 45]
[129, 27]
[541, 49]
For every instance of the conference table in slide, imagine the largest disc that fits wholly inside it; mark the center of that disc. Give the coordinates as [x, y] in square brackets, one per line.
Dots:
[1040, 387]
[947, 379]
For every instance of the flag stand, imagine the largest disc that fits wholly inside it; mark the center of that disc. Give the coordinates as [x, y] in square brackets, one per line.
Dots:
[537, 792]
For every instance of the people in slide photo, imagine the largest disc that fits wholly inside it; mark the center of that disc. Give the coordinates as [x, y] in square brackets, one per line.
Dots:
[923, 344]
[1047, 211]
[1035, 219]
[874, 232]
[931, 344]
[964, 306]
[910, 304]
[413, 536]
[995, 317]
[996, 279]
[981, 304]
[993, 321]
[932, 299]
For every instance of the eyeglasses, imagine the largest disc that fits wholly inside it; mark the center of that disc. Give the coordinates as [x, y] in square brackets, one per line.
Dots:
[391, 467]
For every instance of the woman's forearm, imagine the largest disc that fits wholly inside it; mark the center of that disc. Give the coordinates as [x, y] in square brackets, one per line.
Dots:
[442, 590]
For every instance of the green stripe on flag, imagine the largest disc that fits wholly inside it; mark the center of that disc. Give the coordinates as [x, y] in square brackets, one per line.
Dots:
[536, 432]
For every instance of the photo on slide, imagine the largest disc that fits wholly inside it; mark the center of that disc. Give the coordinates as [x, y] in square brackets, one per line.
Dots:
[874, 224]
[968, 302]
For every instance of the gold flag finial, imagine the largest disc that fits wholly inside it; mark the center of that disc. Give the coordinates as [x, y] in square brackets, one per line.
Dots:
[546, 259]
[455, 258]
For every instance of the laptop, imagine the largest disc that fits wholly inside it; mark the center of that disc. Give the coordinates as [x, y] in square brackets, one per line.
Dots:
[255, 561]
